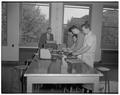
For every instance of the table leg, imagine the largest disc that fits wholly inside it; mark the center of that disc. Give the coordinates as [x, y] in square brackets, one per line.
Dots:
[96, 87]
[108, 82]
[29, 85]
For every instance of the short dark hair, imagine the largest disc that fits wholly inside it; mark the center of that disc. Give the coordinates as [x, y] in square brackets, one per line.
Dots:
[75, 36]
[86, 25]
[48, 28]
[72, 27]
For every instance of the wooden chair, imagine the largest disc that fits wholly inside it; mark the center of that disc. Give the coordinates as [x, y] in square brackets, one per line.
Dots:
[21, 70]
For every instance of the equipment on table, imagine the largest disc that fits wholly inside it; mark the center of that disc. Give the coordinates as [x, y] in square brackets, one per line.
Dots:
[51, 44]
[64, 65]
[44, 54]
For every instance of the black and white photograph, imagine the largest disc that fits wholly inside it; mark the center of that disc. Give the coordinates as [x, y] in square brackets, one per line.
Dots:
[59, 47]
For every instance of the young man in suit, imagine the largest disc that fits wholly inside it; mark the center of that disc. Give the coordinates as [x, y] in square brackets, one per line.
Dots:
[48, 36]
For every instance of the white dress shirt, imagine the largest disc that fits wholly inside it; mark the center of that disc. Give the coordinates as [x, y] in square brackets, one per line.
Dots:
[89, 56]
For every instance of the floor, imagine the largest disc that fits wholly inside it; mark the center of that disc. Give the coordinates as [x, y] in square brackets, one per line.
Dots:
[11, 81]
[112, 76]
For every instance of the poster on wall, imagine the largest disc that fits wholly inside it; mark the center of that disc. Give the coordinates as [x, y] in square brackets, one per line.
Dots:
[4, 24]
[110, 38]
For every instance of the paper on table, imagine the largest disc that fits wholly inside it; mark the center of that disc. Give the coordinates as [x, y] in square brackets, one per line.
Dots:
[51, 42]
[64, 65]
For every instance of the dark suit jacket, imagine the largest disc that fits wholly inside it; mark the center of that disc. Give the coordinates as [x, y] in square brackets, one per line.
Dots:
[43, 39]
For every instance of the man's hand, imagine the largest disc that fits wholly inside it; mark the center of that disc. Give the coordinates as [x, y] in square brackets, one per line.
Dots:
[66, 49]
[75, 53]
[82, 50]
[69, 50]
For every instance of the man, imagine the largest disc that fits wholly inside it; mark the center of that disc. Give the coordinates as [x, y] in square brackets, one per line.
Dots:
[48, 36]
[87, 51]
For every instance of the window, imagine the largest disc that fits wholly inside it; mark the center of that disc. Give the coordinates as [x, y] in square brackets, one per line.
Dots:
[34, 21]
[4, 24]
[74, 15]
[110, 29]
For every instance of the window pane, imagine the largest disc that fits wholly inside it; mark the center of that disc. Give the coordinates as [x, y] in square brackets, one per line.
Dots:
[109, 38]
[4, 24]
[74, 15]
[34, 21]
[110, 18]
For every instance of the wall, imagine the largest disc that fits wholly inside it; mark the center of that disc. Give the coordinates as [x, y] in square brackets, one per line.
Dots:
[109, 57]
[26, 53]
[57, 21]
[11, 51]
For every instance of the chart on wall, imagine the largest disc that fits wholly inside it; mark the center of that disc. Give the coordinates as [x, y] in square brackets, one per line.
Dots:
[109, 38]
[4, 24]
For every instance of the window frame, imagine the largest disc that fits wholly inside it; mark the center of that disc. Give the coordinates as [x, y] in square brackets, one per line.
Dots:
[75, 4]
[20, 19]
[89, 5]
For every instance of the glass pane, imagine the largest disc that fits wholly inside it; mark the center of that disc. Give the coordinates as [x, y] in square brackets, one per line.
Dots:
[109, 37]
[74, 15]
[34, 21]
[4, 24]
[110, 18]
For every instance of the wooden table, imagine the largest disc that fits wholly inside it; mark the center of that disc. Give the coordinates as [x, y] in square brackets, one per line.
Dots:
[49, 71]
